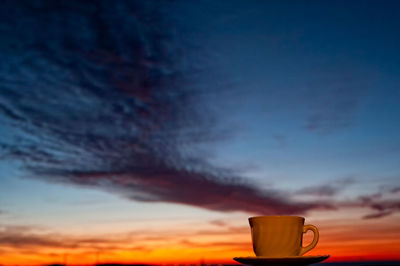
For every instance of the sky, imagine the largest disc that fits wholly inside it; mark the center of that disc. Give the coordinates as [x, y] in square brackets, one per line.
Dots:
[149, 131]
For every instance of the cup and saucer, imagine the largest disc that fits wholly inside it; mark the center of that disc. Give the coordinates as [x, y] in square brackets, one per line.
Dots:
[277, 240]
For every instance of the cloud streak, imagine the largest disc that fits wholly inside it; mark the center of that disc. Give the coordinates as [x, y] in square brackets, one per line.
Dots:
[382, 208]
[326, 190]
[28, 240]
[98, 97]
[383, 203]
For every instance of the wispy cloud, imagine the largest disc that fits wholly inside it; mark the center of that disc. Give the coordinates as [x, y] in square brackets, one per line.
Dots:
[395, 190]
[31, 242]
[330, 189]
[382, 208]
[111, 108]
[333, 98]
[224, 229]
[383, 203]
[218, 244]
[378, 215]
[31, 239]
[220, 223]
[25, 237]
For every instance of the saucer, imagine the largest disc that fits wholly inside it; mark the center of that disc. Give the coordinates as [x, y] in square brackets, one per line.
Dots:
[292, 260]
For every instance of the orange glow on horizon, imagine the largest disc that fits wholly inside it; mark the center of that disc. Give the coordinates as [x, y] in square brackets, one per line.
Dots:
[344, 240]
[364, 251]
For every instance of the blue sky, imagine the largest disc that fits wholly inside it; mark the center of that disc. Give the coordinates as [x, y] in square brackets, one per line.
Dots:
[311, 95]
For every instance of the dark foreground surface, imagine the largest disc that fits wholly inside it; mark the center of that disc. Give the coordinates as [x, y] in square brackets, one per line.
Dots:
[366, 263]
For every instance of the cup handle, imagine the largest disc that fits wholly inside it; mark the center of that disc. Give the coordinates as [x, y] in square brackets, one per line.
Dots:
[315, 240]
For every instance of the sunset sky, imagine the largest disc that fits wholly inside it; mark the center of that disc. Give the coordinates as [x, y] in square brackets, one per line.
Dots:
[149, 131]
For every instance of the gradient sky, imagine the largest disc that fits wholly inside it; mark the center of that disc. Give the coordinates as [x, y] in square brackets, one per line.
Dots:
[150, 131]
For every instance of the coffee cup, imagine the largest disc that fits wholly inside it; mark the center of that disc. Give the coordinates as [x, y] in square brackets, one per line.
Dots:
[280, 236]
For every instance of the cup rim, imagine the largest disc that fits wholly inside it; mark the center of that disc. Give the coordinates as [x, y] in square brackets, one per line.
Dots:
[263, 217]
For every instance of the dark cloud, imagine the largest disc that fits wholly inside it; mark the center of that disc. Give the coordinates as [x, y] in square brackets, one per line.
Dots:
[378, 215]
[97, 95]
[395, 190]
[382, 207]
[200, 189]
[383, 203]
